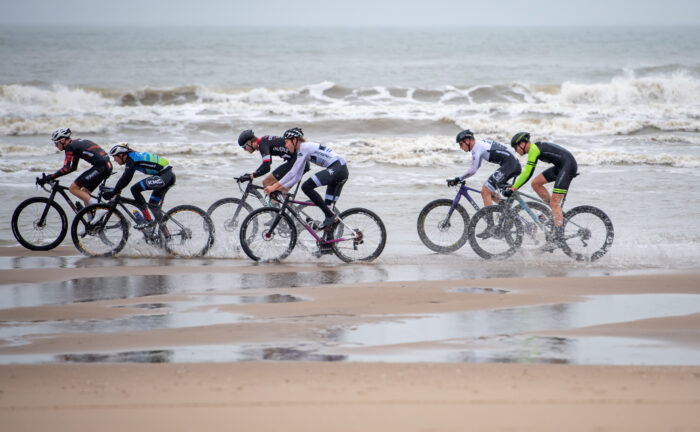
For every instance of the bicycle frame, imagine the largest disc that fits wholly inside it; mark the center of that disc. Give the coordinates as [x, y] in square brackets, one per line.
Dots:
[252, 189]
[287, 206]
[463, 191]
[58, 189]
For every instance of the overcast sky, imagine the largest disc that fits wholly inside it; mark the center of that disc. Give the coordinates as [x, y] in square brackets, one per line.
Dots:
[434, 13]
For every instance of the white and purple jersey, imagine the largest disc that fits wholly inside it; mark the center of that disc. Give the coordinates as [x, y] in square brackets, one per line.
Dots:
[490, 151]
[310, 152]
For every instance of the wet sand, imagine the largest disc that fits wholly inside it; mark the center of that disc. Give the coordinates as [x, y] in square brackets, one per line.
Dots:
[297, 354]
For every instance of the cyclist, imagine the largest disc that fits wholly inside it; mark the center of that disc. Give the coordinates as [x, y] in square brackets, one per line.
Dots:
[563, 171]
[268, 146]
[77, 149]
[333, 176]
[490, 151]
[160, 179]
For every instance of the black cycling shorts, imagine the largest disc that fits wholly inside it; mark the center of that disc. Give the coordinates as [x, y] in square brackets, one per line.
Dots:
[91, 178]
[502, 175]
[561, 176]
[334, 176]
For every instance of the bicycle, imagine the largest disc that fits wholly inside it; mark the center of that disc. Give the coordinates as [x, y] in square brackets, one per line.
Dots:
[184, 230]
[588, 231]
[40, 223]
[270, 233]
[227, 213]
[439, 228]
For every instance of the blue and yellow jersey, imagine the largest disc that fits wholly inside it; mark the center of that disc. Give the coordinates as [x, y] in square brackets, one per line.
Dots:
[147, 163]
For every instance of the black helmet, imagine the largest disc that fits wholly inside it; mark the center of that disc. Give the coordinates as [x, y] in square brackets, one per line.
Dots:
[245, 136]
[293, 133]
[519, 137]
[466, 133]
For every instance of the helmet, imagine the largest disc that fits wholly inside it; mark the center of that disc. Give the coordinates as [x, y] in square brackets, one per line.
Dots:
[519, 137]
[293, 133]
[245, 136]
[60, 134]
[466, 133]
[119, 149]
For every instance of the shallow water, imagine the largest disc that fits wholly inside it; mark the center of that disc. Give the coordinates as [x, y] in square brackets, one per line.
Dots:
[500, 335]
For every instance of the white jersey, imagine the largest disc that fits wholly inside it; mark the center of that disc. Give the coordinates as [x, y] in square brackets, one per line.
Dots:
[312, 152]
[488, 150]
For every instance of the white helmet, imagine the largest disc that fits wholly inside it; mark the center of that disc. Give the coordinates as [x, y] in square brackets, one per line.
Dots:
[60, 134]
[119, 149]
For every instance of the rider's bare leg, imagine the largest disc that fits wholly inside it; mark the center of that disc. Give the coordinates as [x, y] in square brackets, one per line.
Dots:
[555, 204]
[488, 196]
[80, 192]
[538, 185]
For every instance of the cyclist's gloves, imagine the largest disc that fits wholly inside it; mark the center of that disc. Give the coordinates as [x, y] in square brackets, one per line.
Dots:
[244, 178]
[508, 192]
[41, 181]
[453, 182]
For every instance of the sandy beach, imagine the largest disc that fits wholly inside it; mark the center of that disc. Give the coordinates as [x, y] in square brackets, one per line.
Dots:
[327, 352]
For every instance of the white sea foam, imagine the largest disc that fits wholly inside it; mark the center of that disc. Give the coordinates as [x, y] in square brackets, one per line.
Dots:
[677, 88]
[625, 105]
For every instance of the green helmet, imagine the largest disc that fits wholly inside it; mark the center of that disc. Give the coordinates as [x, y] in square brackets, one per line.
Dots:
[519, 137]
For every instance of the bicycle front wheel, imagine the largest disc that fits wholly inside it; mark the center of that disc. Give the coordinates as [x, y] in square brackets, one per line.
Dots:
[227, 215]
[364, 232]
[99, 231]
[187, 231]
[588, 233]
[261, 244]
[494, 233]
[39, 224]
[439, 229]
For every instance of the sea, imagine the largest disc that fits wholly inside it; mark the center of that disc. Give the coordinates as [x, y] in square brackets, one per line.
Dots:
[624, 100]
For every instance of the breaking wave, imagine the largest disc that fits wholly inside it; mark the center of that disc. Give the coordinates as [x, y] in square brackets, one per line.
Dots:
[625, 105]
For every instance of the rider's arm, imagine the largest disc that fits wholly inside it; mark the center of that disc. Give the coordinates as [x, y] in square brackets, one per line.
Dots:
[476, 163]
[532, 157]
[69, 165]
[263, 169]
[126, 177]
[294, 174]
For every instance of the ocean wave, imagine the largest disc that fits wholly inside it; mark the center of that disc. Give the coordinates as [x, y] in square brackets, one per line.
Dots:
[625, 105]
[676, 88]
[424, 151]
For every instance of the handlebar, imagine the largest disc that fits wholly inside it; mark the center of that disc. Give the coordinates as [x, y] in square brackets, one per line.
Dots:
[242, 179]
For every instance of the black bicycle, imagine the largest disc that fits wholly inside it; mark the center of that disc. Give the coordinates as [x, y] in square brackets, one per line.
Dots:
[103, 230]
[40, 223]
[228, 213]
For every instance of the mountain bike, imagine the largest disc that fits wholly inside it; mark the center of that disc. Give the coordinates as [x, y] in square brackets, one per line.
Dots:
[103, 230]
[40, 223]
[270, 233]
[439, 228]
[228, 213]
[588, 231]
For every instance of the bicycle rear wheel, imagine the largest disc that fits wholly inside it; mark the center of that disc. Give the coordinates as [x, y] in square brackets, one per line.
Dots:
[227, 215]
[187, 231]
[259, 243]
[35, 233]
[368, 231]
[494, 233]
[440, 233]
[105, 235]
[588, 233]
